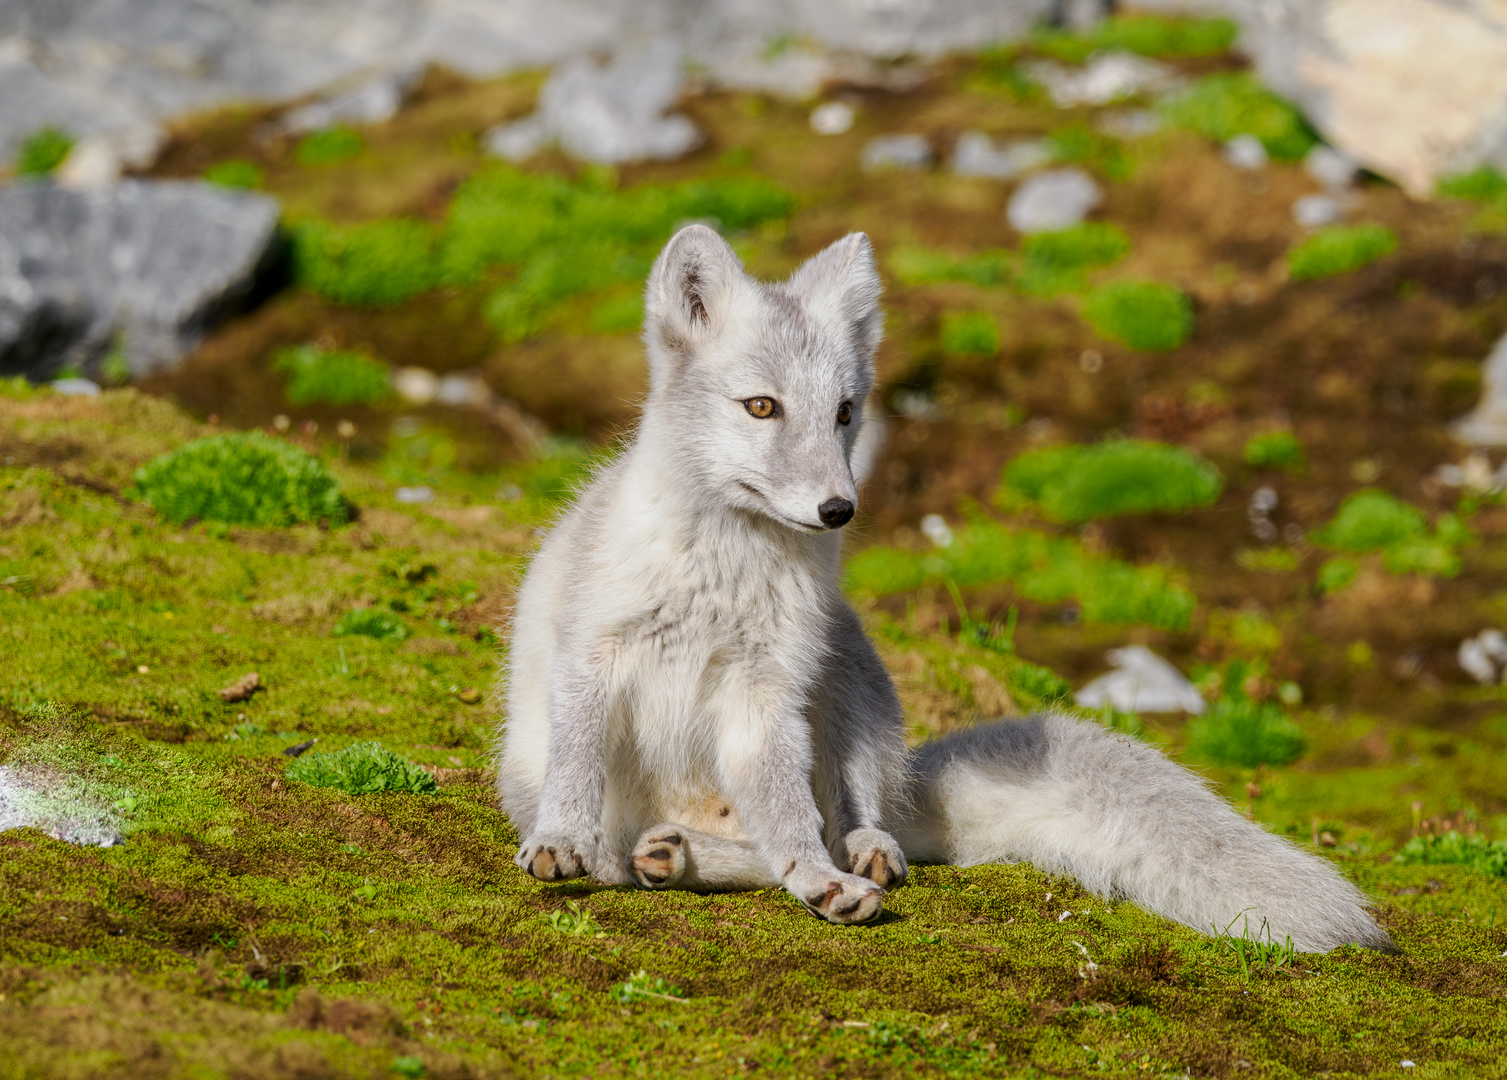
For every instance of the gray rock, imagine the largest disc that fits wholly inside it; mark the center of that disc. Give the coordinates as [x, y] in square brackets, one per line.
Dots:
[149, 265]
[1484, 657]
[1316, 211]
[1486, 424]
[1333, 168]
[609, 113]
[1246, 152]
[1142, 683]
[73, 387]
[371, 101]
[896, 152]
[1410, 89]
[977, 155]
[1129, 123]
[1105, 78]
[1056, 199]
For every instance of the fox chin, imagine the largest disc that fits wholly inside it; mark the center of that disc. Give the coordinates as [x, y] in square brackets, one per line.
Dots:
[692, 703]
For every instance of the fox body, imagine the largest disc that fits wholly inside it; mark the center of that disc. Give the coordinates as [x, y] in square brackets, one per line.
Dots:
[691, 703]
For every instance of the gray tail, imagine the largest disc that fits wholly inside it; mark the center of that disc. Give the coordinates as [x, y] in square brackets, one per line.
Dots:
[1071, 798]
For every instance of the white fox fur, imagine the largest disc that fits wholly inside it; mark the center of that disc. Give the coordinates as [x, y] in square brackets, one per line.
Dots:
[691, 702]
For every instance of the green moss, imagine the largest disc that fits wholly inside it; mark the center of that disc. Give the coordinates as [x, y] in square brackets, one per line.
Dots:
[1339, 249]
[1118, 476]
[1148, 35]
[1142, 314]
[372, 623]
[1275, 450]
[1046, 569]
[235, 173]
[42, 152]
[969, 333]
[1228, 104]
[1079, 144]
[361, 769]
[240, 480]
[1238, 732]
[921, 266]
[1055, 262]
[1335, 574]
[318, 376]
[328, 146]
[1456, 848]
[376, 264]
[1483, 184]
[1370, 521]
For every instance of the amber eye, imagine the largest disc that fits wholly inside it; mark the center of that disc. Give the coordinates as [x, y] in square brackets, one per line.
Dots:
[845, 412]
[761, 408]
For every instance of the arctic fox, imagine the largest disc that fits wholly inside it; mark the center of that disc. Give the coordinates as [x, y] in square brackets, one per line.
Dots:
[691, 703]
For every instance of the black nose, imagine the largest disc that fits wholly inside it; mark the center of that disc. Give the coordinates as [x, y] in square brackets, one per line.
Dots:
[835, 512]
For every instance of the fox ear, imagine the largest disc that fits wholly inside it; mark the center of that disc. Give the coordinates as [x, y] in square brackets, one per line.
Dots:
[841, 286]
[690, 290]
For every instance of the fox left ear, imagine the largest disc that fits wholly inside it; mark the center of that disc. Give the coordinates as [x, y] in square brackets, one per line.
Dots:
[841, 286]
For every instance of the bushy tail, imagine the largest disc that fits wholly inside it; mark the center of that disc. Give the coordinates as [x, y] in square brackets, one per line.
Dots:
[1070, 797]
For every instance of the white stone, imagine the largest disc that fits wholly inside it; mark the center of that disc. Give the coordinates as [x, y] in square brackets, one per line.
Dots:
[934, 527]
[76, 387]
[518, 141]
[1142, 682]
[1056, 199]
[1486, 424]
[414, 495]
[1333, 168]
[977, 155]
[1106, 77]
[896, 152]
[1484, 656]
[463, 389]
[371, 101]
[832, 118]
[1129, 123]
[1246, 152]
[416, 385]
[1316, 211]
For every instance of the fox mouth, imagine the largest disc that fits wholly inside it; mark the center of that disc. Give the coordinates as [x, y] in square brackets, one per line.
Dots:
[802, 526]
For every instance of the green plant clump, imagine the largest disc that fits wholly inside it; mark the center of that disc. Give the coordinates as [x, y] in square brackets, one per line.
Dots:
[921, 266]
[1339, 250]
[1372, 520]
[240, 479]
[235, 173]
[43, 151]
[328, 146]
[1222, 106]
[316, 376]
[376, 264]
[1148, 35]
[1055, 261]
[969, 333]
[1142, 314]
[1241, 733]
[1079, 144]
[1275, 450]
[372, 623]
[361, 769]
[1046, 569]
[1484, 184]
[1120, 476]
[1475, 851]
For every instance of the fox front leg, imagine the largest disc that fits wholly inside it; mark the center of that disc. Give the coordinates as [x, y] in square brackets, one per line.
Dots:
[566, 836]
[765, 759]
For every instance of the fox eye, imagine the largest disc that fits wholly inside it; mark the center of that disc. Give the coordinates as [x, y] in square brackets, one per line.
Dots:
[845, 412]
[762, 408]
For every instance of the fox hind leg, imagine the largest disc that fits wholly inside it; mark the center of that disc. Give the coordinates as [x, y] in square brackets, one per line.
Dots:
[671, 856]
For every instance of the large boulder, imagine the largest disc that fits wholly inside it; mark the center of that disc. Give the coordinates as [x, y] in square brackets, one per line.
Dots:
[1411, 89]
[143, 266]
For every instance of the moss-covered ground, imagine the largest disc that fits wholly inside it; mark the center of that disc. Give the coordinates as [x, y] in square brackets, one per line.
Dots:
[252, 926]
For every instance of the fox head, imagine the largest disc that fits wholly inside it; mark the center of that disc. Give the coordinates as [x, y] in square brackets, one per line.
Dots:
[758, 388]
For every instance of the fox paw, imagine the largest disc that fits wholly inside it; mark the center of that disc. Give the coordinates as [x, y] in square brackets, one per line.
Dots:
[553, 858]
[658, 862]
[837, 897]
[874, 854]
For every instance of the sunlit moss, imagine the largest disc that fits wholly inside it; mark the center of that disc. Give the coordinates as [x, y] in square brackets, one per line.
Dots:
[1117, 476]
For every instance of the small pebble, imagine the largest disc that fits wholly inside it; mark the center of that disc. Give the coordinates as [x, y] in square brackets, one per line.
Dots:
[422, 494]
[833, 118]
[909, 152]
[934, 528]
[1056, 199]
[1333, 168]
[76, 387]
[1246, 152]
[1315, 211]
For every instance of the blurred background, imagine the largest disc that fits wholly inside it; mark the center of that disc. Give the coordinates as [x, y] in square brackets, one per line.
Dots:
[1189, 401]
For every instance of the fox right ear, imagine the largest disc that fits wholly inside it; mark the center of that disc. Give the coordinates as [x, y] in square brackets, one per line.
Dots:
[690, 290]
